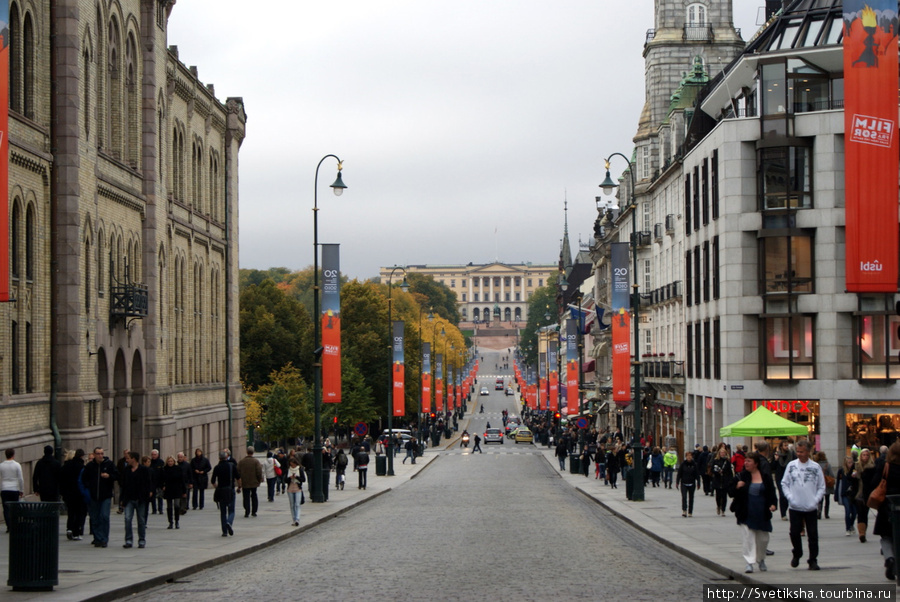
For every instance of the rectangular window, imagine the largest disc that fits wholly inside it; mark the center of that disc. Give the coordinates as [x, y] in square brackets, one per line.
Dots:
[14, 357]
[707, 350]
[706, 271]
[507, 296]
[714, 184]
[688, 279]
[787, 263]
[789, 347]
[698, 349]
[687, 204]
[464, 297]
[518, 296]
[698, 275]
[496, 297]
[689, 347]
[717, 349]
[704, 178]
[453, 283]
[785, 178]
[463, 283]
[648, 282]
[474, 296]
[29, 358]
[529, 283]
[774, 86]
[715, 267]
[696, 197]
[540, 282]
[876, 344]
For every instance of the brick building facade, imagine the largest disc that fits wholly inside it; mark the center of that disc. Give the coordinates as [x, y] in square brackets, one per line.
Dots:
[123, 237]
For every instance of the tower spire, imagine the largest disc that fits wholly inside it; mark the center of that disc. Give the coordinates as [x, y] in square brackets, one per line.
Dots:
[565, 253]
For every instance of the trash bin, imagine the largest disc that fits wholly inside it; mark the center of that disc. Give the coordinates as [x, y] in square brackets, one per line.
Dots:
[33, 545]
[574, 465]
[894, 501]
[380, 466]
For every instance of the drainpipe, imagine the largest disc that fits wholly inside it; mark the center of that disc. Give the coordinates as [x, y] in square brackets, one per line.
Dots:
[54, 266]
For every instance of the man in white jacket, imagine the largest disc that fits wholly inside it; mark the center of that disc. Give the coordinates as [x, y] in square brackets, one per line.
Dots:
[803, 486]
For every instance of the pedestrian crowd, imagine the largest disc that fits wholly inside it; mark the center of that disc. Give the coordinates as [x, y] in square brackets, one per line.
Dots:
[91, 485]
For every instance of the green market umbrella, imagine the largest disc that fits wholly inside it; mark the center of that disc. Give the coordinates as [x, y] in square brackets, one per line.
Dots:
[763, 423]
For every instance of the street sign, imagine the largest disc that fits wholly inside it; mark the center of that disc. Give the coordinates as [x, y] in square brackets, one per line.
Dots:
[361, 429]
[582, 423]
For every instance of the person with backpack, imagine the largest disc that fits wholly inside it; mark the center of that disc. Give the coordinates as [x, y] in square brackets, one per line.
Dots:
[670, 459]
[340, 469]
[362, 467]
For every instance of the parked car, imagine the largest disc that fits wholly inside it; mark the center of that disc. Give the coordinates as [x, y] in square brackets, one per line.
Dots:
[493, 435]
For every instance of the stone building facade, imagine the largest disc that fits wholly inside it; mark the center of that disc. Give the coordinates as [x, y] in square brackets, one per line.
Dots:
[123, 237]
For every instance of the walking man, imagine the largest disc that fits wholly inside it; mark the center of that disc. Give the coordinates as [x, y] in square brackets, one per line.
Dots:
[137, 491]
[477, 444]
[98, 477]
[804, 486]
[250, 473]
[410, 451]
[362, 467]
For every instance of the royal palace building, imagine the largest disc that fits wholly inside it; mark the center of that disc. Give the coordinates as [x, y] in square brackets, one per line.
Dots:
[483, 290]
[123, 233]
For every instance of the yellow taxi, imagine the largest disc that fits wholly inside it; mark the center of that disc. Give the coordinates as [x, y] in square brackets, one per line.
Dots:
[523, 434]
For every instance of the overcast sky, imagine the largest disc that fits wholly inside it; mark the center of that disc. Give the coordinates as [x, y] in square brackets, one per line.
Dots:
[463, 126]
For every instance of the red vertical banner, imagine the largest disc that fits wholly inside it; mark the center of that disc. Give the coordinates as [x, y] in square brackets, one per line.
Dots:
[621, 324]
[426, 377]
[439, 383]
[4, 154]
[331, 323]
[870, 145]
[398, 369]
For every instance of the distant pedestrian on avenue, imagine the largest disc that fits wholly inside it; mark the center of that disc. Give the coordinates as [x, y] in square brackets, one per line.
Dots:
[137, 489]
[845, 493]
[612, 467]
[76, 506]
[477, 444]
[754, 503]
[200, 468]
[295, 478]
[687, 477]
[174, 490]
[251, 475]
[224, 479]
[722, 474]
[271, 475]
[410, 446]
[45, 480]
[156, 466]
[670, 459]
[362, 467]
[562, 450]
[803, 486]
[99, 477]
[656, 466]
[188, 475]
[12, 484]
[340, 469]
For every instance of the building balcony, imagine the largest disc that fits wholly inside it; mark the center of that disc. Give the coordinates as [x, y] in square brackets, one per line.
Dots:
[662, 369]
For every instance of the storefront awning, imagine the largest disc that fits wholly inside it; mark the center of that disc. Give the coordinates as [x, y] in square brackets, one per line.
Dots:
[763, 423]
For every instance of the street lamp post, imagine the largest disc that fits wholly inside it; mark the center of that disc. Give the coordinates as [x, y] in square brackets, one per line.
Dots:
[608, 186]
[404, 286]
[316, 491]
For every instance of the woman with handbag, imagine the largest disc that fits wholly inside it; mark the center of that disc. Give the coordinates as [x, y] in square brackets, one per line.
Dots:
[656, 465]
[845, 493]
[295, 480]
[174, 489]
[883, 526]
[829, 483]
[754, 503]
[863, 473]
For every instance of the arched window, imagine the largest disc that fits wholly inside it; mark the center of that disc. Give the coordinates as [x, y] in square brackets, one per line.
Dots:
[15, 223]
[114, 88]
[29, 243]
[475, 314]
[131, 114]
[15, 57]
[28, 66]
[16, 357]
[87, 276]
[507, 315]
[696, 15]
[86, 92]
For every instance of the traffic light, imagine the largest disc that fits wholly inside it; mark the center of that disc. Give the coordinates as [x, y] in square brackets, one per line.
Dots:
[556, 417]
[334, 420]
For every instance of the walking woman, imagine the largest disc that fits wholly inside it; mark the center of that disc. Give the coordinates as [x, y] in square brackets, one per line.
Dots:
[863, 473]
[883, 526]
[295, 479]
[845, 493]
[722, 475]
[822, 461]
[173, 490]
[754, 503]
[687, 479]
